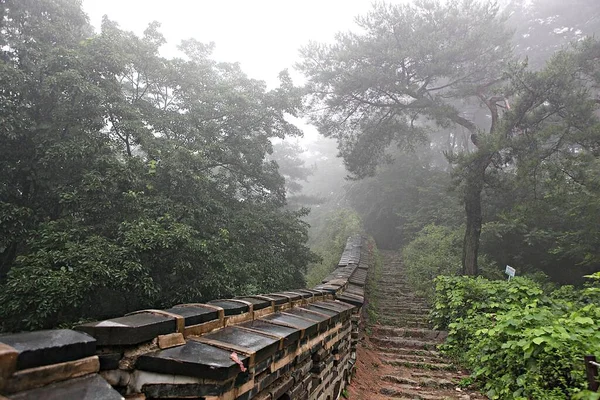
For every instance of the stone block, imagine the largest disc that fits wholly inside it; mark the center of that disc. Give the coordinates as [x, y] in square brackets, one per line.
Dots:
[344, 309]
[351, 299]
[40, 348]
[293, 296]
[31, 378]
[193, 359]
[231, 307]
[257, 302]
[233, 338]
[195, 313]
[334, 316]
[295, 391]
[307, 327]
[290, 336]
[170, 340]
[281, 387]
[130, 329]
[321, 319]
[91, 387]
[8, 361]
[277, 299]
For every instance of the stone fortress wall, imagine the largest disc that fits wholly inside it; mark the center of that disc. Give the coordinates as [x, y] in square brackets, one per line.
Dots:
[296, 344]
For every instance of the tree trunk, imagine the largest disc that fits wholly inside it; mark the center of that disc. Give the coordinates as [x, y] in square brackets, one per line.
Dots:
[473, 189]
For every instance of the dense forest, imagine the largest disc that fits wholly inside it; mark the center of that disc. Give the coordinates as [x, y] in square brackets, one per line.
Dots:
[129, 180]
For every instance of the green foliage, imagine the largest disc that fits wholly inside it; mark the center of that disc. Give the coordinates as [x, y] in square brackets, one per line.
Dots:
[435, 251]
[406, 66]
[330, 241]
[130, 180]
[519, 342]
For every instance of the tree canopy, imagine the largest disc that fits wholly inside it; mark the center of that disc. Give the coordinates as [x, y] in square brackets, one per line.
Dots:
[130, 180]
[445, 76]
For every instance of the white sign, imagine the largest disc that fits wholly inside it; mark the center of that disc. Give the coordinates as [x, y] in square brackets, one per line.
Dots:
[510, 271]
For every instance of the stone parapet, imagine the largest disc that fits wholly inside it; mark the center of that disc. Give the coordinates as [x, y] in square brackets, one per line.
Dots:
[297, 344]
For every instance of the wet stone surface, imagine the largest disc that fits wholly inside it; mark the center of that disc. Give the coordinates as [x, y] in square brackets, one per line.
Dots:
[329, 289]
[195, 314]
[87, 388]
[290, 335]
[263, 346]
[302, 293]
[230, 307]
[257, 304]
[278, 299]
[129, 330]
[49, 347]
[292, 295]
[322, 320]
[193, 359]
[344, 309]
[308, 326]
[333, 315]
[351, 299]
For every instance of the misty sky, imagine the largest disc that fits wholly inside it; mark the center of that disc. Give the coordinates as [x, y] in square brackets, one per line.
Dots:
[263, 35]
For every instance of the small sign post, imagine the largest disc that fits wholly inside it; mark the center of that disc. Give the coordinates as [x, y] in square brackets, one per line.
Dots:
[510, 271]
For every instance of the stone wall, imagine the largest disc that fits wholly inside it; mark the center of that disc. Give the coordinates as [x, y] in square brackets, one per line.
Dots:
[291, 345]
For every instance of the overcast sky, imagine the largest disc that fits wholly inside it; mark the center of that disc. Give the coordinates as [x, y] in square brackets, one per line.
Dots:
[263, 35]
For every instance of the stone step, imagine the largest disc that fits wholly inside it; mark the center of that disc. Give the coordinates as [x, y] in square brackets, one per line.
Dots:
[402, 343]
[404, 322]
[411, 357]
[415, 392]
[457, 375]
[411, 306]
[405, 341]
[409, 352]
[408, 308]
[428, 382]
[420, 365]
[406, 317]
[430, 334]
[405, 311]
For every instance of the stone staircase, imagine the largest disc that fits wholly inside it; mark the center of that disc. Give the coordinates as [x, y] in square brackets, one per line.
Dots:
[400, 360]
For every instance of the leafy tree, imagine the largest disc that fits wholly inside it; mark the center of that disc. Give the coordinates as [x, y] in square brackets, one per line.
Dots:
[552, 145]
[411, 65]
[130, 180]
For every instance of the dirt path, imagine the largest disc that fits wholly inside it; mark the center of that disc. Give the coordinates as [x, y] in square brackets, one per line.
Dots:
[399, 358]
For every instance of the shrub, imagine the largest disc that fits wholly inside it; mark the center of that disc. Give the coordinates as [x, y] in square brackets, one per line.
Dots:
[437, 250]
[519, 342]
